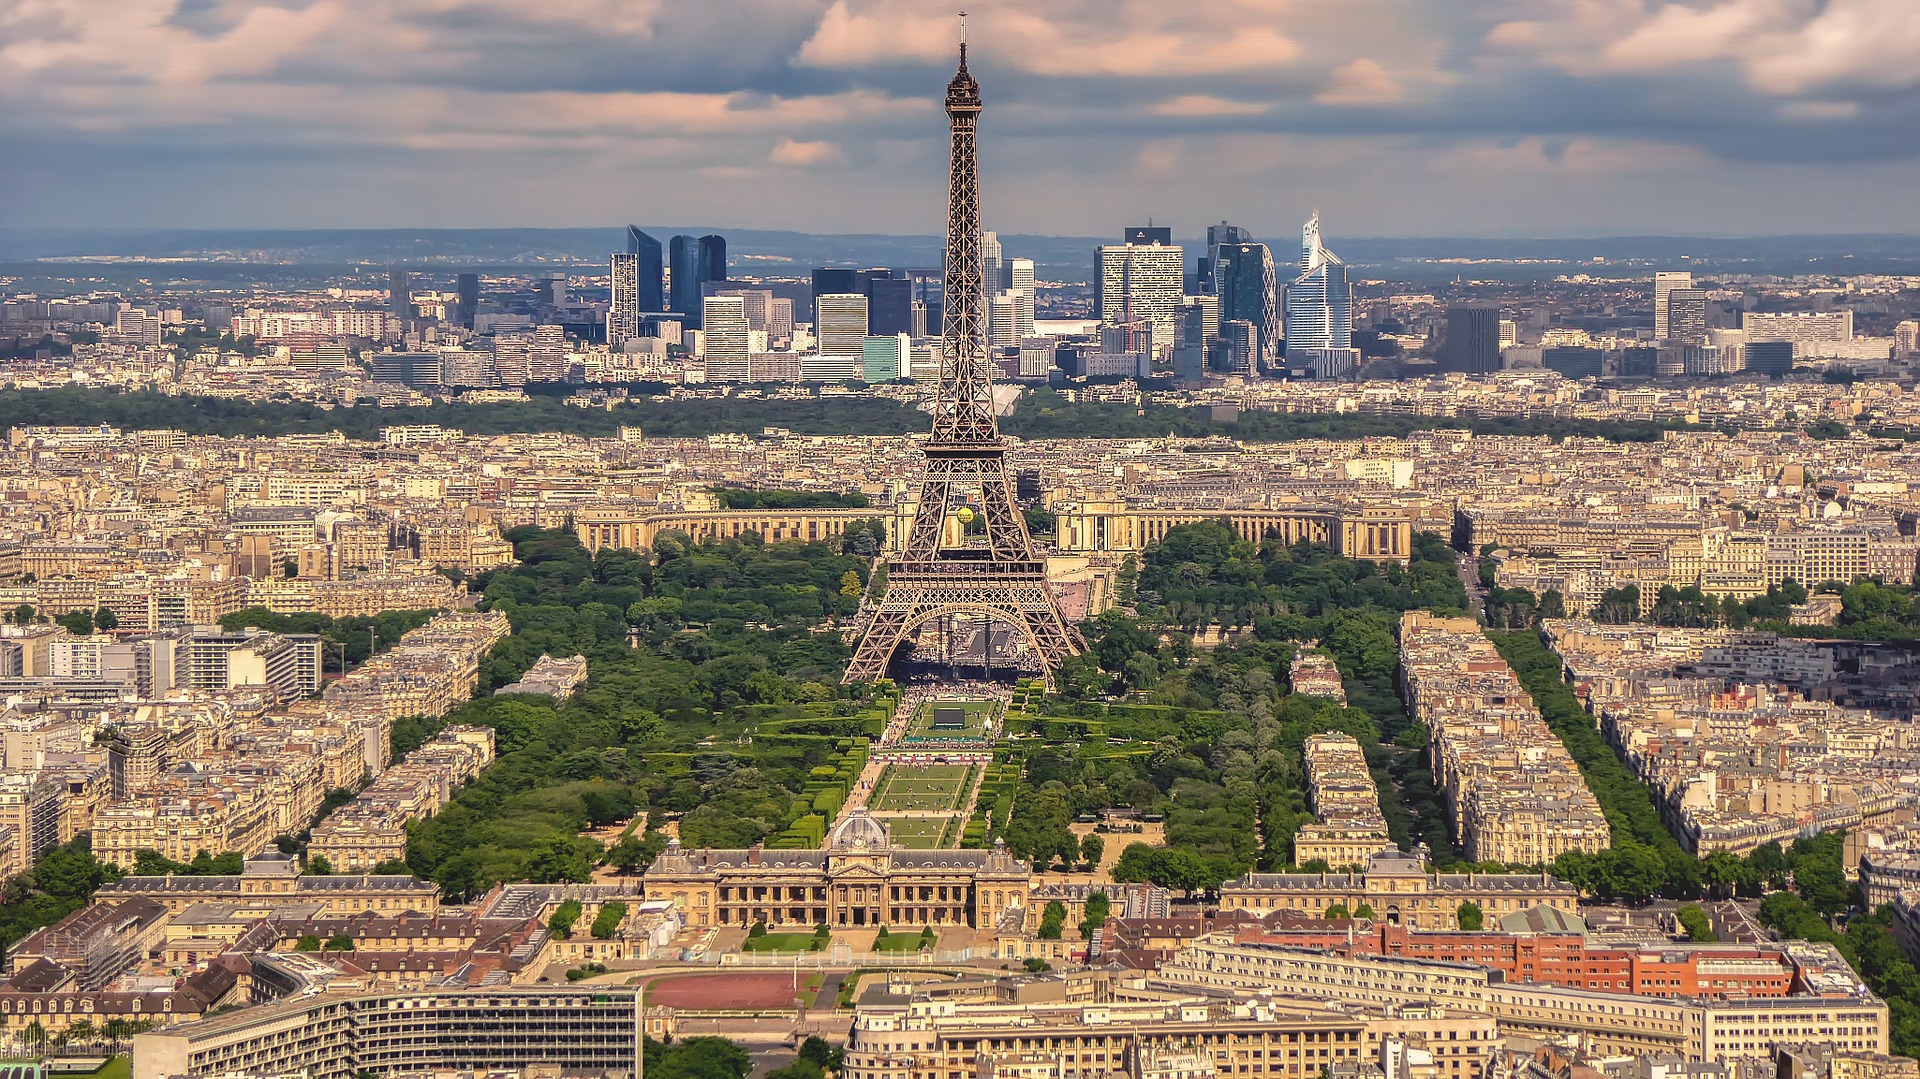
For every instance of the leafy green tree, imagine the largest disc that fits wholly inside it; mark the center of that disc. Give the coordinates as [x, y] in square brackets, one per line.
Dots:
[1338, 912]
[1093, 847]
[1698, 927]
[319, 866]
[105, 620]
[308, 942]
[1470, 917]
[1053, 920]
[560, 923]
[78, 623]
[607, 922]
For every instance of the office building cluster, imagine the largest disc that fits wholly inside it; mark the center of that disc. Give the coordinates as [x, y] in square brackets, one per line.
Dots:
[1514, 793]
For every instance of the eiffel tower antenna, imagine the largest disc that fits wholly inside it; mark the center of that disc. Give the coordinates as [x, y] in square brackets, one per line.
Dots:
[1004, 580]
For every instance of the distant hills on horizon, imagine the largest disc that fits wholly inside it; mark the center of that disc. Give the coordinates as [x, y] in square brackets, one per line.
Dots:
[764, 252]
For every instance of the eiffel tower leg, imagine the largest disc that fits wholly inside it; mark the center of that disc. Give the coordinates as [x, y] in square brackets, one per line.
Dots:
[1006, 525]
[886, 633]
[929, 518]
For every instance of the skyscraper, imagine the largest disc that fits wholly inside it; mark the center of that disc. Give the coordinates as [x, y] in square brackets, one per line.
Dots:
[399, 293]
[1664, 282]
[1148, 235]
[1141, 283]
[650, 271]
[623, 308]
[1686, 315]
[1020, 280]
[1319, 306]
[1473, 338]
[1773, 358]
[1223, 233]
[889, 306]
[467, 288]
[1248, 289]
[728, 338]
[691, 264]
[993, 263]
[842, 330]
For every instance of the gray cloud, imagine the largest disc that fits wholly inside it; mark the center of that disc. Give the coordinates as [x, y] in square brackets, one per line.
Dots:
[1409, 116]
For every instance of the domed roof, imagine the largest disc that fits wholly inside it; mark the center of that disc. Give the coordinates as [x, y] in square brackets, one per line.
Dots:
[860, 831]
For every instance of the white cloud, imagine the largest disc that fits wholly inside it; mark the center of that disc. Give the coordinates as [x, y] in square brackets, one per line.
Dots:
[806, 155]
[1203, 105]
[1360, 82]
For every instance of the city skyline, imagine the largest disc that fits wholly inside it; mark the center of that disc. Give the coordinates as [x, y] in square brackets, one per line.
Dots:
[1718, 120]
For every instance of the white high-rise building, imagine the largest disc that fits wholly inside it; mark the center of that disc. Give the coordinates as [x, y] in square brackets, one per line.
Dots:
[726, 338]
[1020, 280]
[993, 263]
[1142, 283]
[1800, 327]
[1319, 303]
[1664, 282]
[623, 313]
[842, 330]
[1003, 320]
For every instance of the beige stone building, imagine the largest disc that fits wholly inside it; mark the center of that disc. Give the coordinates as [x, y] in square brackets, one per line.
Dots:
[1400, 891]
[858, 879]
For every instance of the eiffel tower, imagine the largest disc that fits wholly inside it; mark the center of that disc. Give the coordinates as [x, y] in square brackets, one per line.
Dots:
[1002, 579]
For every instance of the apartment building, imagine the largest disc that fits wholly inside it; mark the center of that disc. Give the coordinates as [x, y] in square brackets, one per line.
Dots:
[1400, 890]
[1515, 794]
[1350, 828]
[1833, 1006]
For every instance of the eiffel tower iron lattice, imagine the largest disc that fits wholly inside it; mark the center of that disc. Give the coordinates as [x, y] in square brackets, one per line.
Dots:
[1003, 580]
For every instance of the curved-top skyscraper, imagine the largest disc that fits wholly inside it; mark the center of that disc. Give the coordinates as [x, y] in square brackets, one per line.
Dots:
[1319, 302]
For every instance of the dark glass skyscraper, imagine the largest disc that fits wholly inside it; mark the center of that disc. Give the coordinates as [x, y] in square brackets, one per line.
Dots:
[1770, 357]
[467, 288]
[651, 270]
[1473, 338]
[1149, 234]
[1244, 279]
[399, 293]
[693, 263]
[889, 306]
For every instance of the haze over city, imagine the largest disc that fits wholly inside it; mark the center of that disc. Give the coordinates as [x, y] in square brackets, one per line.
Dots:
[1396, 117]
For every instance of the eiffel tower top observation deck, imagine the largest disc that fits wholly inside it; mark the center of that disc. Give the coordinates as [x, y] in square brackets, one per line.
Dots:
[963, 409]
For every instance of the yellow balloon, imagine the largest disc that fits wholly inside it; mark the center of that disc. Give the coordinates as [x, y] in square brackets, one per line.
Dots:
[965, 515]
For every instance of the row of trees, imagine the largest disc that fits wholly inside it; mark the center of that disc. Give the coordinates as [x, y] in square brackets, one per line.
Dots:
[1040, 414]
[1046, 414]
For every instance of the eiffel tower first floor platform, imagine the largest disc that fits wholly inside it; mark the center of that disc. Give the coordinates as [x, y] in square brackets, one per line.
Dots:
[918, 592]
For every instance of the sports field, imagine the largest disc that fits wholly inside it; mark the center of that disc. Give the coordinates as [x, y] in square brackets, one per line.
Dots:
[978, 712]
[920, 833]
[936, 788]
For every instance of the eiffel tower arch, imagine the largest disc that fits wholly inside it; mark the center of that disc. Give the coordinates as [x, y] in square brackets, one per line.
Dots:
[1000, 577]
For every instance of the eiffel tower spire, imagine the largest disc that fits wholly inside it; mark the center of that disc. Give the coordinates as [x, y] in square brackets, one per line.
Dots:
[1003, 580]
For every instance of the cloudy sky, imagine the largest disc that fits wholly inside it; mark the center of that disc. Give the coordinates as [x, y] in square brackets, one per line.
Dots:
[1393, 117]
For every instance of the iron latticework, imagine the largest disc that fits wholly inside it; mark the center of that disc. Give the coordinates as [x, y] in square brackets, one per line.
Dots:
[1001, 579]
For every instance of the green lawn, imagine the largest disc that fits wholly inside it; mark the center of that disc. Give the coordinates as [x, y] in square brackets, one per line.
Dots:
[120, 1067]
[921, 787]
[919, 833]
[781, 942]
[903, 941]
